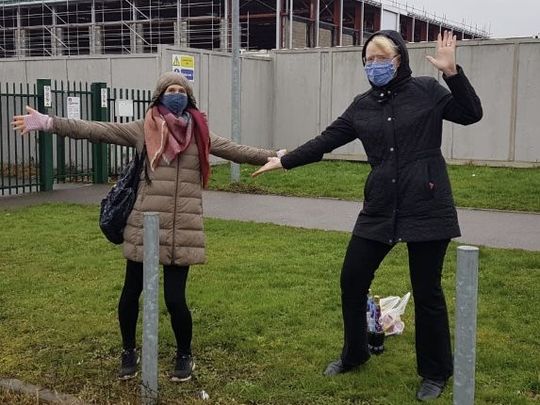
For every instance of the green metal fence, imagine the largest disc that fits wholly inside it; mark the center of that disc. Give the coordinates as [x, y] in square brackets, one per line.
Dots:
[37, 161]
[18, 155]
[119, 156]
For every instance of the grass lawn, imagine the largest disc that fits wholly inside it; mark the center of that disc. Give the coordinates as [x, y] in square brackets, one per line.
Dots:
[473, 186]
[266, 312]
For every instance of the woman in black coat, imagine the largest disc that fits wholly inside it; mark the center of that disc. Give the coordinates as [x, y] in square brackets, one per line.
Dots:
[407, 196]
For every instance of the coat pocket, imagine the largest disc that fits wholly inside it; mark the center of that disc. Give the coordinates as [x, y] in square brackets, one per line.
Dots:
[421, 186]
[429, 182]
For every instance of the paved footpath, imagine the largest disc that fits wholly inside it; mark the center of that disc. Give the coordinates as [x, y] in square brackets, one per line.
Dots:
[499, 229]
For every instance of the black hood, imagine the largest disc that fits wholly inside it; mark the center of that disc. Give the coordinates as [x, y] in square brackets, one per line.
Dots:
[404, 70]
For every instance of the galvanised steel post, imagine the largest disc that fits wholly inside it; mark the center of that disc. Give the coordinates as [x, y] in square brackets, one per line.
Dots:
[149, 387]
[235, 85]
[100, 112]
[46, 170]
[465, 339]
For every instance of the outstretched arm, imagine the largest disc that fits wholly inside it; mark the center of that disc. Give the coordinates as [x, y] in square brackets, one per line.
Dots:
[227, 149]
[340, 132]
[127, 134]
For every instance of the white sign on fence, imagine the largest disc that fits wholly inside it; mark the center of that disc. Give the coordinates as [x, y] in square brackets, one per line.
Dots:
[47, 97]
[104, 98]
[74, 107]
[124, 108]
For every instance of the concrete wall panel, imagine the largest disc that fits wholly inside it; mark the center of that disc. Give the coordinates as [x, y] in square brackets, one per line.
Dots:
[490, 70]
[219, 94]
[47, 69]
[134, 72]
[257, 102]
[527, 132]
[297, 87]
[91, 69]
[13, 71]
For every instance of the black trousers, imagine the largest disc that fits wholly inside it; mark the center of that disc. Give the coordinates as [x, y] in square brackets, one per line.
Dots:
[433, 348]
[174, 284]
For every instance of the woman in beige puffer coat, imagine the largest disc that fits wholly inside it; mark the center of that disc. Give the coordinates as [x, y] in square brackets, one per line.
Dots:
[178, 143]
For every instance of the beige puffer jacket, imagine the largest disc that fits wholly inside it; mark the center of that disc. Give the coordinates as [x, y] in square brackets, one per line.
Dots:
[175, 191]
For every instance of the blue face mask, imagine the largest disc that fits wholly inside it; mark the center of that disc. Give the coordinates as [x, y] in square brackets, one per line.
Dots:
[175, 102]
[380, 73]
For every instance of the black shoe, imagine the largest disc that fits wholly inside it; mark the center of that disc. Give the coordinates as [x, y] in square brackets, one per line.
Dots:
[336, 367]
[183, 368]
[128, 369]
[430, 389]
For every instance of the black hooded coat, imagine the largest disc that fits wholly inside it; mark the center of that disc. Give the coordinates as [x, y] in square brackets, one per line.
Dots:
[407, 195]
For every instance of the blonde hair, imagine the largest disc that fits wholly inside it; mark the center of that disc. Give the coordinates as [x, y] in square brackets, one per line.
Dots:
[384, 43]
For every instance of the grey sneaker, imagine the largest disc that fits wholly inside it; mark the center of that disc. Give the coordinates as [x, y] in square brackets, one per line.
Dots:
[430, 389]
[128, 368]
[336, 367]
[183, 368]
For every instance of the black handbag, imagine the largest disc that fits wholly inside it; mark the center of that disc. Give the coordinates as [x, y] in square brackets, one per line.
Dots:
[119, 201]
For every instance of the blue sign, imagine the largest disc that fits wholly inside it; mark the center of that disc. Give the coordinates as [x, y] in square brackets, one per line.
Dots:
[189, 73]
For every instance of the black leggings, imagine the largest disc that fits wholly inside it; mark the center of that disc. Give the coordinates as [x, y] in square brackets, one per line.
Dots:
[363, 257]
[174, 281]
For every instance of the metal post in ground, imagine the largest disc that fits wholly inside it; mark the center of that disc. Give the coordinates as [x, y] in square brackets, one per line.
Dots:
[149, 388]
[235, 85]
[465, 339]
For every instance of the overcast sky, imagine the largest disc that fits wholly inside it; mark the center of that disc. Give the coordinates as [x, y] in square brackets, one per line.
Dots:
[504, 18]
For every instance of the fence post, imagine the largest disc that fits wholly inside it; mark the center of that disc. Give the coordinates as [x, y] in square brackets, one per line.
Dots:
[465, 339]
[149, 387]
[99, 150]
[46, 170]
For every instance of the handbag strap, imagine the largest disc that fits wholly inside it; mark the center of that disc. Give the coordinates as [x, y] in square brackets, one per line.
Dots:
[142, 160]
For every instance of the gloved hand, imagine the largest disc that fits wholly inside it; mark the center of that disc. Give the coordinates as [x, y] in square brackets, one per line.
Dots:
[33, 121]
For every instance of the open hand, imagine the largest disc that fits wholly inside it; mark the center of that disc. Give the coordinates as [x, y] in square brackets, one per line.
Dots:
[33, 121]
[274, 163]
[445, 54]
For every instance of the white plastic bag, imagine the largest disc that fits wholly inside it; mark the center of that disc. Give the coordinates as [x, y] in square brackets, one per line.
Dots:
[391, 310]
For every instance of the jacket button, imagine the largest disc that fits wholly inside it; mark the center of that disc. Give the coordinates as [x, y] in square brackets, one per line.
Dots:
[389, 119]
[399, 240]
[391, 149]
[393, 180]
[382, 94]
[390, 240]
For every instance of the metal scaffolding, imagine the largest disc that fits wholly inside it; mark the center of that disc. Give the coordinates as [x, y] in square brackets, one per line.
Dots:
[82, 27]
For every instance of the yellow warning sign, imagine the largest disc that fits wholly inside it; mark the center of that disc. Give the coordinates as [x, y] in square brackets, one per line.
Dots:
[187, 61]
[183, 61]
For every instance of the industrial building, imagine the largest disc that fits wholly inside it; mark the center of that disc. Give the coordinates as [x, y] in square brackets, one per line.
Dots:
[83, 27]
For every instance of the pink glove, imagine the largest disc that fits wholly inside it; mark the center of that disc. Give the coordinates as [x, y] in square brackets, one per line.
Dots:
[35, 121]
